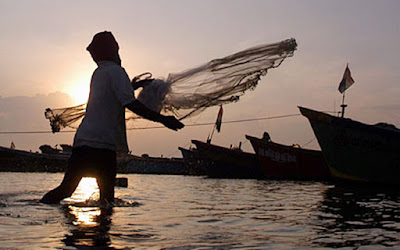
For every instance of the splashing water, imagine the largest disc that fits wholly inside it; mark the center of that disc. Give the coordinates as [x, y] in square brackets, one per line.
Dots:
[186, 212]
[86, 190]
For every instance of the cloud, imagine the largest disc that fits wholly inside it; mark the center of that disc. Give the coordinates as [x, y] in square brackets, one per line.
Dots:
[386, 107]
[23, 113]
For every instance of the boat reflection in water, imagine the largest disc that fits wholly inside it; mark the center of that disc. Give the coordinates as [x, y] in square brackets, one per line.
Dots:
[89, 223]
[354, 216]
[186, 212]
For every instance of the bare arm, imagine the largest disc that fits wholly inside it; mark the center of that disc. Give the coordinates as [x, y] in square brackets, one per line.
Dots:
[168, 121]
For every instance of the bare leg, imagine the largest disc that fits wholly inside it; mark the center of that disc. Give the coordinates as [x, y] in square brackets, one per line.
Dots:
[72, 177]
[66, 188]
[87, 161]
[106, 177]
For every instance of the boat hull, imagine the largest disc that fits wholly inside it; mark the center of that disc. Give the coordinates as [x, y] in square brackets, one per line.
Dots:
[13, 160]
[356, 151]
[288, 162]
[193, 161]
[228, 163]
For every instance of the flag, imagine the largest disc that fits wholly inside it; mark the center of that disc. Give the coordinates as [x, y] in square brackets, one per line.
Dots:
[347, 80]
[219, 119]
[12, 145]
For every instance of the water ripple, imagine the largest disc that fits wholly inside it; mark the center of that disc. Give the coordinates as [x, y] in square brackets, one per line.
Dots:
[182, 212]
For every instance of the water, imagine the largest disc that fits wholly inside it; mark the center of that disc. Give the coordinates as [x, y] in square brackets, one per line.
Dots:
[184, 212]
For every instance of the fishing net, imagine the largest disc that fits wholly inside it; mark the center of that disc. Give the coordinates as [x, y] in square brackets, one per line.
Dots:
[64, 117]
[190, 92]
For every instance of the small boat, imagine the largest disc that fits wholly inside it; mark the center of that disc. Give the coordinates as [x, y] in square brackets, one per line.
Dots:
[193, 161]
[145, 164]
[356, 151]
[14, 160]
[228, 162]
[53, 160]
[289, 162]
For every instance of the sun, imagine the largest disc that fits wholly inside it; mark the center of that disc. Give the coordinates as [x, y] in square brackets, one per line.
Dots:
[80, 92]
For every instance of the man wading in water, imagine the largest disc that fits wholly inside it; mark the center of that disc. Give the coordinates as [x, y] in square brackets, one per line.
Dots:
[102, 132]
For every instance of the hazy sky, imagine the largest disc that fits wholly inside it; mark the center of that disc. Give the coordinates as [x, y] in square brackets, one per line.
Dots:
[43, 58]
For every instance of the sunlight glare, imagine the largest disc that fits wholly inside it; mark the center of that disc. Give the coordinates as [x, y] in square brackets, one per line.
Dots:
[80, 92]
[85, 216]
[87, 189]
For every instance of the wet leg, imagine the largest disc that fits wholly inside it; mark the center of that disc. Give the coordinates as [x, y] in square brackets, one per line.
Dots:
[106, 177]
[72, 177]
[64, 190]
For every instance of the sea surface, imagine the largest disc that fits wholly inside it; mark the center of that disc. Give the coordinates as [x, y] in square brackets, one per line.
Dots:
[186, 212]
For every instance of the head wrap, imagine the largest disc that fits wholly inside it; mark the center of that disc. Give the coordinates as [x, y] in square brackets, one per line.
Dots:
[103, 47]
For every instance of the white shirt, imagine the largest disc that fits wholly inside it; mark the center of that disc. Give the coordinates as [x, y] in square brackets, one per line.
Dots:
[104, 123]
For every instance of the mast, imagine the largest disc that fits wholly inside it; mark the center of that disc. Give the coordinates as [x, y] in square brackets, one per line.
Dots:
[217, 125]
[345, 83]
[343, 105]
[210, 136]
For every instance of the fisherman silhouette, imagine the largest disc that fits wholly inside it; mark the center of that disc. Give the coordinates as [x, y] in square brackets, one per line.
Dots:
[102, 132]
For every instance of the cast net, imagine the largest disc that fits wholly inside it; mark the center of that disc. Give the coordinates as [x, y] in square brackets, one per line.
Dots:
[190, 92]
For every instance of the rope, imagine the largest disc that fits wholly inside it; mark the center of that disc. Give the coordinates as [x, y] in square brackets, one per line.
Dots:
[305, 144]
[158, 127]
[226, 122]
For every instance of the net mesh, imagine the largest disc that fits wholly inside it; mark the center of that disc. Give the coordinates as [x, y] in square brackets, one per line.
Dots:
[190, 92]
[64, 117]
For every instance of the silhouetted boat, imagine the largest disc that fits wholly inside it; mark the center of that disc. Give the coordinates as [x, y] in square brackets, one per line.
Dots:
[289, 162]
[356, 151]
[53, 160]
[228, 162]
[145, 164]
[14, 160]
[193, 161]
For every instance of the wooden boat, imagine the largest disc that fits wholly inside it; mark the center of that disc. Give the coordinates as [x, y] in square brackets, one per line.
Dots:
[228, 163]
[193, 161]
[289, 162]
[150, 165]
[13, 160]
[356, 151]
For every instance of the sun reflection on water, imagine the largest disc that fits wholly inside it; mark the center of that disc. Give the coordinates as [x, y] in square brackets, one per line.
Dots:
[85, 216]
[82, 203]
[86, 190]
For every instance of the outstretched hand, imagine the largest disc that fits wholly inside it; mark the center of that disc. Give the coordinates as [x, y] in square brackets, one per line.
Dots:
[172, 123]
[140, 109]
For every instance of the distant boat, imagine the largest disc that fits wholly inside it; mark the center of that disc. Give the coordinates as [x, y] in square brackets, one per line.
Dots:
[193, 161]
[145, 164]
[228, 162]
[289, 162]
[13, 160]
[356, 151]
[54, 160]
